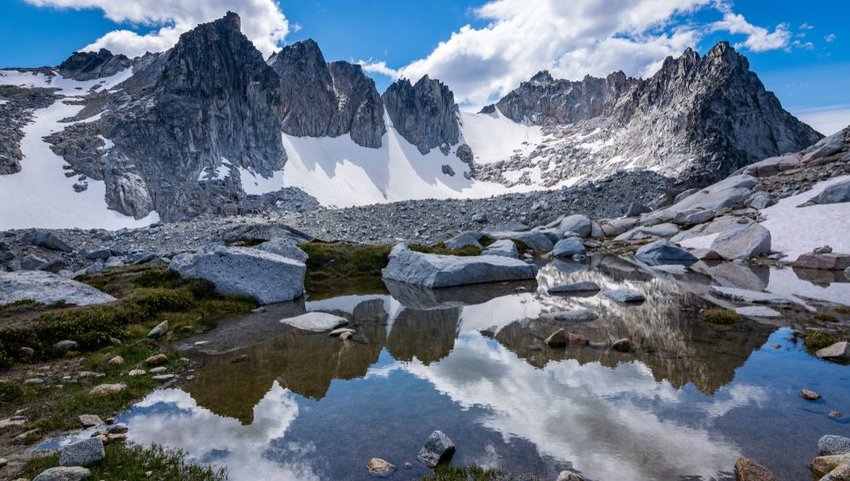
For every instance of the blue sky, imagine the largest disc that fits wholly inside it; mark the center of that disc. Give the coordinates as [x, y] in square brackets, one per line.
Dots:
[801, 50]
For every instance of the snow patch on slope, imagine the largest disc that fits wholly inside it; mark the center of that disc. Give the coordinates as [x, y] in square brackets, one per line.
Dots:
[495, 137]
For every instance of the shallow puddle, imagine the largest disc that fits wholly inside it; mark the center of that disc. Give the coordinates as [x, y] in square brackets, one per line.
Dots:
[276, 404]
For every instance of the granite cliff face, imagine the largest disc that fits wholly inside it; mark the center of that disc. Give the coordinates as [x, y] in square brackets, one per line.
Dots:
[327, 100]
[91, 65]
[696, 120]
[425, 113]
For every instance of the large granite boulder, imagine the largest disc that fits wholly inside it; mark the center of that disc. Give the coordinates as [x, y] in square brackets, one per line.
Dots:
[663, 252]
[834, 194]
[569, 248]
[578, 223]
[432, 270]
[731, 192]
[63, 473]
[742, 241]
[537, 240]
[244, 271]
[48, 288]
[82, 453]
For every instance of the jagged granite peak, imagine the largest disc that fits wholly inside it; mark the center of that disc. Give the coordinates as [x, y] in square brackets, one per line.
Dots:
[425, 113]
[83, 66]
[183, 126]
[327, 100]
[698, 119]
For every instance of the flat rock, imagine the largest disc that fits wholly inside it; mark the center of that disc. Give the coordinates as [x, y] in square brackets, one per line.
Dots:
[665, 230]
[437, 448]
[663, 252]
[48, 288]
[839, 350]
[745, 295]
[757, 311]
[746, 470]
[574, 288]
[267, 277]
[73, 473]
[432, 270]
[569, 248]
[832, 444]
[828, 261]
[82, 453]
[316, 321]
[626, 296]
[90, 420]
[503, 248]
[576, 315]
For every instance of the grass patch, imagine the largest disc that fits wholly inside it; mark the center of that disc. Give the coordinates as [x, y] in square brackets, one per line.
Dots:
[816, 340]
[825, 317]
[338, 269]
[465, 473]
[842, 310]
[147, 296]
[719, 316]
[133, 462]
[441, 248]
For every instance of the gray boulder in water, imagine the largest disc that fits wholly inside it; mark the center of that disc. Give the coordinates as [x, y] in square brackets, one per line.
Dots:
[663, 252]
[432, 270]
[47, 288]
[242, 271]
[438, 448]
[831, 444]
[569, 248]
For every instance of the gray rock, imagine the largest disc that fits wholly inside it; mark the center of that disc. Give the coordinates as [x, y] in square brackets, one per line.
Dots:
[615, 227]
[243, 271]
[32, 262]
[316, 321]
[578, 223]
[742, 241]
[569, 476]
[834, 194]
[536, 240]
[163, 377]
[66, 345]
[760, 200]
[160, 330]
[47, 288]
[46, 240]
[635, 209]
[74, 473]
[55, 266]
[691, 218]
[503, 248]
[425, 113]
[663, 252]
[464, 239]
[830, 261]
[576, 315]
[839, 350]
[431, 270]
[82, 453]
[569, 248]
[574, 288]
[623, 345]
[748, 296]
[831, 444]
[728, 193]
[101, 254]
[661, 230]
[757, 311]
[82, 66]
[438, 448]
[625, 296]
[284, 246]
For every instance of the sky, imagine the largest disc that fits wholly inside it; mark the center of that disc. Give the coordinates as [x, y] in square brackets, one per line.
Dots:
[481, 48]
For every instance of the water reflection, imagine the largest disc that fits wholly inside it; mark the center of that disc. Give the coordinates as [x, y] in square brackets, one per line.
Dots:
[274, 403]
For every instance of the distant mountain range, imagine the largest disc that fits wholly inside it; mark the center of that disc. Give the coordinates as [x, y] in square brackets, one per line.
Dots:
[211, 127]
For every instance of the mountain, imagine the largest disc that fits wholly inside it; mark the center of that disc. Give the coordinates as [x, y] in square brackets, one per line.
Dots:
[210, 127]
[696, 120]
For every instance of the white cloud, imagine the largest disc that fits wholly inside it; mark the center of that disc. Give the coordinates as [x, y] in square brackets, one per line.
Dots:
[826, 120]
[262, 21]
[571, 39]
[830, 38]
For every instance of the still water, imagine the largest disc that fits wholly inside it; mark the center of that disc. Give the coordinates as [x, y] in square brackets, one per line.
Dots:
[272, 403]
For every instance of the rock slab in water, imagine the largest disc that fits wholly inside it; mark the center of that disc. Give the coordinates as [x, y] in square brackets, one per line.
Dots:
[82, 453]
[574, 288]
[432, 270]
[827, 261]
[438, 448]
[48, 288]
[832, 444]
[757, 311]
[267, 277]
[663, 252]
[316, 321]
[839, 350]
[626, 296]
[746, 470]
[73, 473]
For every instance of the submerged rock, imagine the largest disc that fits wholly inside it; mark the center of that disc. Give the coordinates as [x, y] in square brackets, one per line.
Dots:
[243, 271]
[664, 252]
[316, 321]
[432, 270]
[746, 470]
[831, 444]
[744, 295]
[48, 288]
[380, 467]
[438, 448]
[626, 296]
[575, 288]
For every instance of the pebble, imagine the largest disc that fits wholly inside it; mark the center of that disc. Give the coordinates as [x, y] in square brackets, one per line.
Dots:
[156, 360]
[809, 395]
[137, 372]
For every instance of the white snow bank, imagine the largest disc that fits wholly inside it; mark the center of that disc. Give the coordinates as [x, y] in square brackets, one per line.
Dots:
[495, 137]
[798, 230]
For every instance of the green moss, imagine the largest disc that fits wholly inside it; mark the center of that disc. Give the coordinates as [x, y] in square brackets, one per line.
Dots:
[816, 340]
[336, 269]
[825, 317]
[134, 462]
[468, 473]
[441, 249]
[719, 316]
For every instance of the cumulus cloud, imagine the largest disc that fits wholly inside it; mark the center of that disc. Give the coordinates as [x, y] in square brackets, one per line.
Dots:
[572, 39]
[262, 21]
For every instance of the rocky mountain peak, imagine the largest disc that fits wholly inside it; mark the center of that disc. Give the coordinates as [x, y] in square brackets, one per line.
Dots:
[424, 113]
[232, 21]
[543, 77]
[91, 65]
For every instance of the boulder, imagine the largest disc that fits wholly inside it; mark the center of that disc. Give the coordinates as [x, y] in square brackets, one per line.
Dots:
[831, 444]
[569, 476]
[626, 296]
[615, 227]
[47, 288]
[569, 248]
[663, 252]
[90, 420]
[746, 470]
[285, 247]
[438, 448]
[576, 315]
[72, 473]
[635, 209]
[760, 200]
[503, 248]
[661, 230]
[46, 240]
[839, 351]
[828, 261]
[578, 223]
[66, 345]
[82, 453]
[694, 217]
[823, 465]
[834, 194]
[106, 389]
[160, 330]
[380, 467]
[742, 241]
[267, 277]
[536, 240]
[840, 473]
[32, 262]
[731, 192]
[316, 321]
[464, 239]
[574, 288]
[432, 270]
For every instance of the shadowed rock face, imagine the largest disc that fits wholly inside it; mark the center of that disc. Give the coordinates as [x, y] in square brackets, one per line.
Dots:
[698, 119]
[91, 65]
[327, 100]
[424, 113]
[210, 104]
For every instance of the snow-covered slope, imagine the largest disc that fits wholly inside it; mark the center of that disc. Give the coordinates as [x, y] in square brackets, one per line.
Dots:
[40, 195]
